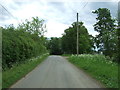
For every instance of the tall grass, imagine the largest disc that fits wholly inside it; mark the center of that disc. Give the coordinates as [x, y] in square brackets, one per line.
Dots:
[99, 67]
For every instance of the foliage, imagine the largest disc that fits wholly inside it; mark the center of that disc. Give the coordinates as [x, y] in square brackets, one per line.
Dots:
[0, 57]
[36, 26]
[11, 76]
[118, 31]
[69, 40]
[106, 40]
[54, 45]
[99, 67]
[20, 45]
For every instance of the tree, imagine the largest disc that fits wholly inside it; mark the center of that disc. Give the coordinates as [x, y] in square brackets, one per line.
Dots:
[54, 45]
[36, 26]
[106, 39]
[118, 32]
[19, 44]
[69, 39]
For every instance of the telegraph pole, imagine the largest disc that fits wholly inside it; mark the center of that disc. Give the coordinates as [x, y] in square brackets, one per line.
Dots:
[77, 37]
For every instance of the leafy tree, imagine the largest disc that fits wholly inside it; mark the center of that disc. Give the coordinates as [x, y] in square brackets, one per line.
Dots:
[118, 32]
[106, 39]
[69, 39]
[19, 44]
[54, 46]
[36, 26]
[0, 45]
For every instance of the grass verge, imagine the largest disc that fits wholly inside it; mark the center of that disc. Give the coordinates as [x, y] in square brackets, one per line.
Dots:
[11, 76]
[98, 67]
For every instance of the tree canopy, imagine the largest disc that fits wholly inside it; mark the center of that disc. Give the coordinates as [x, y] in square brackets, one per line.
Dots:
[69, 39]
[106, 40]
[22, 43]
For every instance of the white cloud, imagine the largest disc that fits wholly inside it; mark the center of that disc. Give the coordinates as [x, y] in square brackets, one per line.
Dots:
[55, 29]
[58, 15]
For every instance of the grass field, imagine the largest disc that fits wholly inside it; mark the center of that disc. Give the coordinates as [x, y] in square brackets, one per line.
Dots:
[98, 67]
[17, 72]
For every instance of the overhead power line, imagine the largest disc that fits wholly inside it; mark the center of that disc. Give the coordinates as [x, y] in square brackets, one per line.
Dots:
[85, 5]
[81, 8]
[9, 13]
[77, 43]
[77, 47]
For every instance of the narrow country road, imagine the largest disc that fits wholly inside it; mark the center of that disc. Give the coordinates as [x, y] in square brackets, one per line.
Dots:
[56, 72]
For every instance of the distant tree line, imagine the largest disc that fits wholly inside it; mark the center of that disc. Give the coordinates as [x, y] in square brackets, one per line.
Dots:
[54, 46]
[106, 41]
[21, 43]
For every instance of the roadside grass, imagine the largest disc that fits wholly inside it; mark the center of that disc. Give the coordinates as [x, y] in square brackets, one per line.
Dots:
[98, 67]
[10, 76]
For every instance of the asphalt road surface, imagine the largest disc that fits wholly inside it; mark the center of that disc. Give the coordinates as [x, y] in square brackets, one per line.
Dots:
[57, 72]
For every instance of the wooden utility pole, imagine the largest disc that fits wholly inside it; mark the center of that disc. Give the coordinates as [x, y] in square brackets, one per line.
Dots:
[77, 37]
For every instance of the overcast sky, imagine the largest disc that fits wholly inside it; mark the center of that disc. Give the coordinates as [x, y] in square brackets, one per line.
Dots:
[58, 15]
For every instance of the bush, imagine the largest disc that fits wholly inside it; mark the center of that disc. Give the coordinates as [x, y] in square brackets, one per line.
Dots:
[19, 45]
